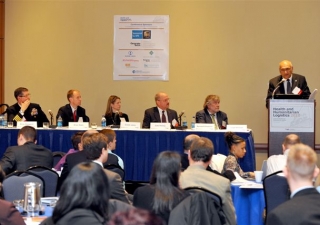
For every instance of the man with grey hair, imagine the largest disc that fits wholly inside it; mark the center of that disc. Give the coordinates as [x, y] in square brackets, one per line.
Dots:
[304, 205]
[278, 162]
[187, 142]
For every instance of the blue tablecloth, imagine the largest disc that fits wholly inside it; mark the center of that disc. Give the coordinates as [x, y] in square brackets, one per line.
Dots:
[249, 205]
[137, 148]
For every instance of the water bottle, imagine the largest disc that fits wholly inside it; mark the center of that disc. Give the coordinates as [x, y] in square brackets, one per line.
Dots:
[4, 121]
[184, 121]
[1, 120]
[103, 122]
[59, 121]
[193, 123]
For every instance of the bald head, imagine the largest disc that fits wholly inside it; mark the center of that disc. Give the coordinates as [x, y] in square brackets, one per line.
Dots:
[188, 140]
[289, 141]
[285, 69]
[86, 134]
[162, 100]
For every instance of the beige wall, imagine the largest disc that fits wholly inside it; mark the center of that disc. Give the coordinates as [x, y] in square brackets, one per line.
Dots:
[229, 48]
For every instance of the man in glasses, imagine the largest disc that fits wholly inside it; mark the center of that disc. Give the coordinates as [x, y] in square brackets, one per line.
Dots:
[24, 110]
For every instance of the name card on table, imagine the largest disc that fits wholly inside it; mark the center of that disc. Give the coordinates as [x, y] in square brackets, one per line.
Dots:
[237, 127]
[160, 126]
[79, 125]
[21, 124]
[204, 126]
[130, 125]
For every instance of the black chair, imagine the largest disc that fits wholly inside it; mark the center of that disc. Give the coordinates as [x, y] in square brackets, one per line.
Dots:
[13, 184]
[50, 178]
[276, 190]
[117, 169]
[56, 157]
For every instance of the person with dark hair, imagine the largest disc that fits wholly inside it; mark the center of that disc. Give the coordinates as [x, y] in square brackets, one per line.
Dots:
[76, 144]
[135, 217]
[237, 150]
[73, 111]
[163, 193]
[196, 175]
[211, 113]
[187, 142]
[111, 145]
[84, 197]
[24, 110]
[27, 153]
[113, 114]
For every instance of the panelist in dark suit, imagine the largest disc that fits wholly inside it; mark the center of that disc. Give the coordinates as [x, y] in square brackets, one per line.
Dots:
[211, 113]
[73, 111]
[113, 113]
[304, 205]
[24, 110]
[161, 113]
[26, 154]
[293, 84]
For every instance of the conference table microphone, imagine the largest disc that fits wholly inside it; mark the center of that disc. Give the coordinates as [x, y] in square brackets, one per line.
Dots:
[116, 116]
[51, 119]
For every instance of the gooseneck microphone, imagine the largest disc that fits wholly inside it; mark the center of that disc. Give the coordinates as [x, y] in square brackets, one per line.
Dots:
[51, 116]
[179, 117]
[277, 87]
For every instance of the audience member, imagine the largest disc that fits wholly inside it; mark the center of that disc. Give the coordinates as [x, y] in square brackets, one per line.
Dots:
[24, 110]
[161, 113]
[113, 114]
[278, 162]
[76, 144]
[73, 111]
[237, 149]
[211, 113]
[9, 215]
[294, 84]
[196, 175]
[304, 205]
[27, 153]
[187, 142]
[84, 197]
[163, 193]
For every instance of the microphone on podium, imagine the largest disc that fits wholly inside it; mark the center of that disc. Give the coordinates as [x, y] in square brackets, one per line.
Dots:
[277, 87]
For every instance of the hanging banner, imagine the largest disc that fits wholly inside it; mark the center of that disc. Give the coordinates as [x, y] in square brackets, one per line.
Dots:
[141, 48]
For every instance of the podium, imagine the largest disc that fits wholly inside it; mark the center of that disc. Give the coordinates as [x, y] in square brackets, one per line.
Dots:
[290, 116]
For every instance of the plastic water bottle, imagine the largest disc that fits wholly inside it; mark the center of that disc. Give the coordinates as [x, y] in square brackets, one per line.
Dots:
[4, 121]
[1, 120]
[103, 122]
[193, 123]
[59, 121]
[184, 121]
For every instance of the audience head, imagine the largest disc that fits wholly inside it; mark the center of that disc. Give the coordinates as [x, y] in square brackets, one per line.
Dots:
[76, 140]
[290, 140]
[188, 140]
[236, 144]
[95, 147]
[162, 100]
[201, 150]
[285, 68]
[135, 216]
[27, 134]
[111, 135]
[86, 187]
[212, 104]
[21, 94]
[113, 105]
[74, 98]
[86, 134]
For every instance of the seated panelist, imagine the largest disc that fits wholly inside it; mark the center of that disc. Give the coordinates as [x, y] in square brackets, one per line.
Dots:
[113, 114]
[211, 113]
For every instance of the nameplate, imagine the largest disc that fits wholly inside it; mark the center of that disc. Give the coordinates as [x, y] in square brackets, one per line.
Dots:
[204, 126]
[237, 127]
[21, 124]
[160, 126]
[130, 125]
[78, 125]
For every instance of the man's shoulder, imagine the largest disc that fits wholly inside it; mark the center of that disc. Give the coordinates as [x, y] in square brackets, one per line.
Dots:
[222, 113]
[65, 107]
[34, 105]
[172, 111]
[275, 79]
[13, 107]
[298, 76]
[111, 175]
[202, 111]
[151, 110]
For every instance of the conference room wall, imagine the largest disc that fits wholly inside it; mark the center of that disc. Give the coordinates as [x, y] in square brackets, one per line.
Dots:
[229, 48]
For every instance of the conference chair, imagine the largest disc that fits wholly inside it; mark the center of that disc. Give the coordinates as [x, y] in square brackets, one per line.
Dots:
[13, 184]
[276, 190]
[217, 162]
[117, 169]
[56, 157]
[50, 178]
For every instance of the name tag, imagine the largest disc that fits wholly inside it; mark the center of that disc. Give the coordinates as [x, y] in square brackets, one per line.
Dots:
[204, 126]
[237, 127]
[130, 125]
[21, 124]
[78, 125]
[160, 126]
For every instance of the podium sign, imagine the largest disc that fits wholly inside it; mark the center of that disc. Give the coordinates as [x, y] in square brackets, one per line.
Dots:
[289, 116]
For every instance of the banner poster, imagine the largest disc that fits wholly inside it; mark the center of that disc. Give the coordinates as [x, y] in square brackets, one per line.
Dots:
[292, 116]
[141, 47]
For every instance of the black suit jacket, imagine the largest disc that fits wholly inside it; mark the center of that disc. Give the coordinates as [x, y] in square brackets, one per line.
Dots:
[303, 208]
[32, 113]
[203, 116]
[152, 116]
[67, 116]
[115, 119]
[297, 81]
[24, 156]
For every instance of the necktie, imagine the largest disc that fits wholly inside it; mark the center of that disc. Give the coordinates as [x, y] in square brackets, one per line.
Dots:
[216, 127]
[289, 87]
[75, 116]
[163, 118]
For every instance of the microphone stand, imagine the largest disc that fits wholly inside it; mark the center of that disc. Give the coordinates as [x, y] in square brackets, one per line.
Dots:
[114, 121]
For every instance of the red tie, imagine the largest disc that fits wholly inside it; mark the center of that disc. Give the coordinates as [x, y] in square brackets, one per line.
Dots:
[75, 116]
[163, 118]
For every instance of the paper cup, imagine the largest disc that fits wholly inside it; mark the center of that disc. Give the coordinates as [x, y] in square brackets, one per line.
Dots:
[258, 175]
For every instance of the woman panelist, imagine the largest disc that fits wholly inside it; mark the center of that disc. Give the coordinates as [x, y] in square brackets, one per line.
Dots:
[113, 113]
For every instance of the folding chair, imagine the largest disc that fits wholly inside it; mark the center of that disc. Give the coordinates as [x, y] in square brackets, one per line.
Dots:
[56, 157]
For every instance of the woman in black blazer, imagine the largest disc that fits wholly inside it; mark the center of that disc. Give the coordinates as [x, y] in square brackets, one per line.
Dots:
[113, 113]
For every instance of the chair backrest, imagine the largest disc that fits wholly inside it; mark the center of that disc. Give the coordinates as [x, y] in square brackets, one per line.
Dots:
[276, 190]
[56, 157]
[217, 162]
[50, 178]
[117, 169]
[264, 168]
[13, 184]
